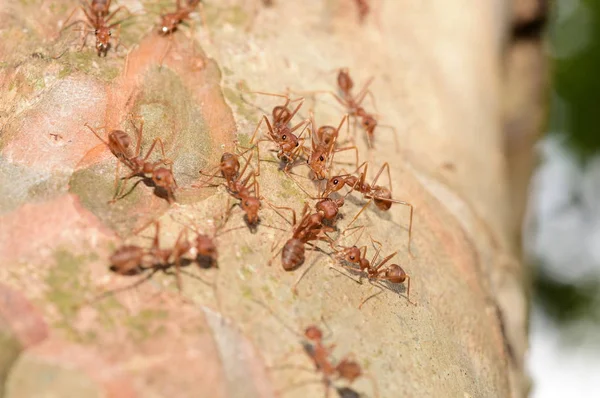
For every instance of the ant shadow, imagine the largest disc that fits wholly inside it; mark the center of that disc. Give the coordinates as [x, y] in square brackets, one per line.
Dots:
[347, 392]
[160, 192]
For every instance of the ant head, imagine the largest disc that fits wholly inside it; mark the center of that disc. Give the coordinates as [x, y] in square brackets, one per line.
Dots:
[334, 184]
[328, 207]
[318, 164]
[163, 178]
[250, 206]
[206, 246]
[344, 80]
[352, 254]
[313, 333]
[102, 37]
[369, 123]
[168, 24]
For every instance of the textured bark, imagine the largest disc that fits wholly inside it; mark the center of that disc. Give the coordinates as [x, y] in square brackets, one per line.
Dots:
[439, 78]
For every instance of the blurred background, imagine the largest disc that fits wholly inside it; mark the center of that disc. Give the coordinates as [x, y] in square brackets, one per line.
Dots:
[562, 229]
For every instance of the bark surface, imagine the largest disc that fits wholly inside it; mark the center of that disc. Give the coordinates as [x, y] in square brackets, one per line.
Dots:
[438, 69]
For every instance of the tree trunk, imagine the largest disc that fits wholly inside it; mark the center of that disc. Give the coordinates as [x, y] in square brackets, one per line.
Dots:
[438, 69]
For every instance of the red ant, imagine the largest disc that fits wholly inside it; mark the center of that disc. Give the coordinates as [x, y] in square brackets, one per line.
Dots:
[249, 197]
[352, 103]
[170, 22]
[392, 273]
[119, 144]
[382, 196]
[320, 354]
[309, 228]
[280, 131]
[129, 260]
[98, 17]
[323, 147]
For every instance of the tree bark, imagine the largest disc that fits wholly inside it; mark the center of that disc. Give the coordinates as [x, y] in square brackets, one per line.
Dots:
[439, 79]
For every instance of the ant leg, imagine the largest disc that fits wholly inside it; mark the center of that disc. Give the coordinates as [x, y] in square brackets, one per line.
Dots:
[264, 118]
[308, 268]
[346, 275]
[385, 260]
[384, 166]
[353, 147]
[138, 136]
[177, 256]
[358, 214]
[286, 96]
[371, 296]
[97, 135]
[410, 223]
[211, 177]
[112, 14]
[275, 208]
[116, 185]
[360, 96]
[124, 288]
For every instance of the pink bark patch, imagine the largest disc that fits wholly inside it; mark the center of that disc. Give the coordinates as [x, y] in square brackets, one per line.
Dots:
[51, 134]
[33, 227]
[23, 318]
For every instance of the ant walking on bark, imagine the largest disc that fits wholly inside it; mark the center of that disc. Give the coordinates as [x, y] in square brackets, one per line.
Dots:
[382, 196]
[279, 131]
[313, 344]
[323, 144]
[119, 144]
[393, 273]
[97, 21]
[132, 260]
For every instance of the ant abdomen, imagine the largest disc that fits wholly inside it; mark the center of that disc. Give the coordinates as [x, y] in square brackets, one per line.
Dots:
[292, 255]
[396, 274]
[127, 260]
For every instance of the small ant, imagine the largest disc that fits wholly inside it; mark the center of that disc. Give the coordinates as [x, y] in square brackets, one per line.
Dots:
[382, 196]
[129, 260]
[249, 196]
[353, 106]
[229, 167]
[323, 147]
[119, 144]
[280, 132]
[392, 273]
[170, 22]
[98, 17]
[320, 354]
[309, 228]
